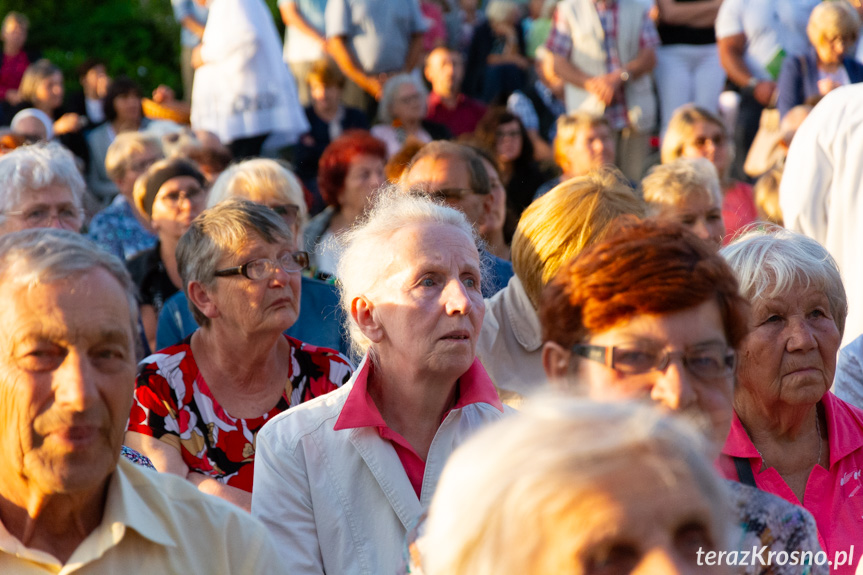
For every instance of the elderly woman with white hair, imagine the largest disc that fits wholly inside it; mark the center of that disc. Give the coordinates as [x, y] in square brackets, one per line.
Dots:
[269, 183]
[402, 113]
[627, 491]
[42, 188]
[340, 479]
[790, 435]
[687, 191]
[199, 404]
[120, 228]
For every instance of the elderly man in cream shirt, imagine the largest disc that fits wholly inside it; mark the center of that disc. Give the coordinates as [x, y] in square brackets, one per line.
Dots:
[67, 370]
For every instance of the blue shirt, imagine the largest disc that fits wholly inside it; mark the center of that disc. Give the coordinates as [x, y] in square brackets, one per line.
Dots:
[183, 8]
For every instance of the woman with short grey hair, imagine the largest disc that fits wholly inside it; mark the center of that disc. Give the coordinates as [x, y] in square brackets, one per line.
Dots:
[339, 479]
[790, 435]
[200, 403]
[402, 113]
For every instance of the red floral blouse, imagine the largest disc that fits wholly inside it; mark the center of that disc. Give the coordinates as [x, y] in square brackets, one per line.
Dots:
[174, 404]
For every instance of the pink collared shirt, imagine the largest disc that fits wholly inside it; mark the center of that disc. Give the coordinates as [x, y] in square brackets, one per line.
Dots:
[474, 386]
[834, 496]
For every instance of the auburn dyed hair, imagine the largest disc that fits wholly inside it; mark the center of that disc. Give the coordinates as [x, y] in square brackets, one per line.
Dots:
[643, 267]
[337, 159]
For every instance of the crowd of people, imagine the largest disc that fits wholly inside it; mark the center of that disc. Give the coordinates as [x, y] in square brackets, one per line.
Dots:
[438, 286]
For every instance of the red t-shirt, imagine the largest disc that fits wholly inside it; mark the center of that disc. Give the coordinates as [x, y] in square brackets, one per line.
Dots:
[11, 72]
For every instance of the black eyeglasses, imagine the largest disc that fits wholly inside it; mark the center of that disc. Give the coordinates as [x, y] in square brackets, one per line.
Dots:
[265, 268]
[449, 194]
[712, 361]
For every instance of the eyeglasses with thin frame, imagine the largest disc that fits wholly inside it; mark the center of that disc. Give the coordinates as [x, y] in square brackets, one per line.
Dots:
[450, 194]
[41, 216]
[288, 212]
[192, 194]
[706, 362]
[265, 268]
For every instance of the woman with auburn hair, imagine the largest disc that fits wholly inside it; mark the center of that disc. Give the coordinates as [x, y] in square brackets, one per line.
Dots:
[654, 312]
[553, 229]
[696, 133]
[350, 171]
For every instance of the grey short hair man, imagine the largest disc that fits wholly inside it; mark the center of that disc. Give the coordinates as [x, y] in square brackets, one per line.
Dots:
[42, 188]
[67, 371]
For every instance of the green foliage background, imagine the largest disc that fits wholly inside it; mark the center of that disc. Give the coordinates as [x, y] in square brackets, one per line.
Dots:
[138, 38]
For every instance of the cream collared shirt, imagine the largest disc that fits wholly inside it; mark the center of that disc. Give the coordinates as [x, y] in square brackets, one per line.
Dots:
[156, 523]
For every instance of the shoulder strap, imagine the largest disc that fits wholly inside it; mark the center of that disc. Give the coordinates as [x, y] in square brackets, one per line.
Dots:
[744, 471]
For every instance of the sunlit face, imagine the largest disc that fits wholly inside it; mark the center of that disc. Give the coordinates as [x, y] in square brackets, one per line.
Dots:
[177, 203]
[701, 212]
[508, 141]
[50, 207]
[832, 49]
[68, 371]
[271, 304]
[49, 92]
[434, 174]
[407, 104]
[676, 388]
[708, 141]
[325, 99]
[641, 521]
[95, 81]
[592, 148]
[128, 107]
[497, 217]
[365, 175]
[789, 356]
[14, 35]
[430, 306]
[136, 164]
[445, 71]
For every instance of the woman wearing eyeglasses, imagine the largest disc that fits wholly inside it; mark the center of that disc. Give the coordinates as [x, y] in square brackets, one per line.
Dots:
[696, 133]
[791, 436]
[654, 312]
[169, 195]
[199, 404]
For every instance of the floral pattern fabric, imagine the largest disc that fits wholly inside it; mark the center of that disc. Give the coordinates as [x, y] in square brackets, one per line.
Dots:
[174, 404]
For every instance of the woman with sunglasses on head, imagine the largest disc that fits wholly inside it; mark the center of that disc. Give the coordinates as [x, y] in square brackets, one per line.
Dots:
[168, 195]
[200, 404]
[696, 133]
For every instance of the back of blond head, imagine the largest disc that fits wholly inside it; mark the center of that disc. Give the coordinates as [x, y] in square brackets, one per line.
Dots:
[561, 223]
[510, 500]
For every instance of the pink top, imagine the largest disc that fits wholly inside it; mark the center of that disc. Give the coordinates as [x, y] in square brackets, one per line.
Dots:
[11, 71]
[834, 496]
[435, 34]
[474, 386]
[738, 210]
[459, 120]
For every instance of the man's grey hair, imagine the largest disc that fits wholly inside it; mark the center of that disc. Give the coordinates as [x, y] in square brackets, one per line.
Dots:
[31, 168]
[770, 262]
[385, 109]
[45, 255]
[366, 247]
[443, 149]
[221, 230]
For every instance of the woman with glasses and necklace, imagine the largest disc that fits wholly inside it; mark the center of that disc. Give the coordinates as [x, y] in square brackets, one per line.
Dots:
[169, 195]
[790, 435]
[653, 312]
[200, 404]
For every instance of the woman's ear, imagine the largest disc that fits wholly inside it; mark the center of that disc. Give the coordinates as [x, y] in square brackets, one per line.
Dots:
[555, 361]
[200, 297]
[363, 314]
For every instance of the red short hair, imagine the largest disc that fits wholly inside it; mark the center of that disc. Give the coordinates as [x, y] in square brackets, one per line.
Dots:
[644, 267]
[337, 158]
